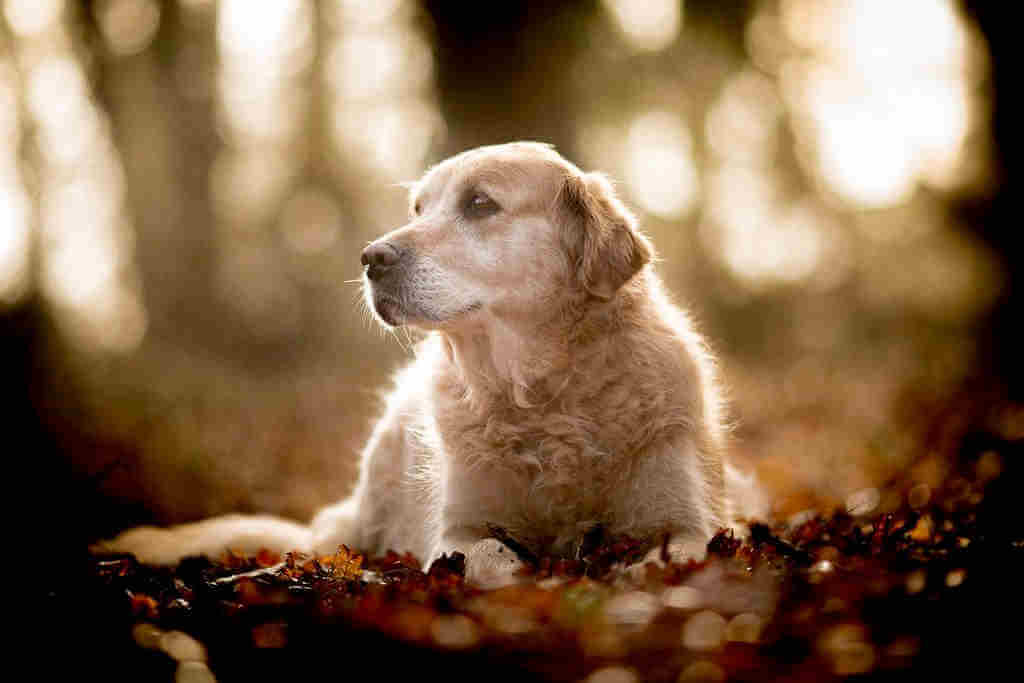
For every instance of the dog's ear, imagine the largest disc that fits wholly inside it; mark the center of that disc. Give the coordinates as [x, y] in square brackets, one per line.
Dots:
[601, 236]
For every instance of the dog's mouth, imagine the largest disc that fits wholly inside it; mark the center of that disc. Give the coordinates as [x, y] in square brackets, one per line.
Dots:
[392, 313]
[395, 311]
[388, 309]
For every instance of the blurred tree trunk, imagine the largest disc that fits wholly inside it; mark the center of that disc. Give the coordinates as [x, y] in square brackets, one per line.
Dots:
[503, 74]
[997, 219]
[161, 106]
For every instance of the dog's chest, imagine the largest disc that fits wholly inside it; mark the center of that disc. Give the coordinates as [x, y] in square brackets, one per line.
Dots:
[545, 479]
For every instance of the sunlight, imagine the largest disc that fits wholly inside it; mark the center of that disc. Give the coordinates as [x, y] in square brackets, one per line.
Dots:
[78, 270]
[10, 124]
[265, 83]
[874, 37]
[15, 208]
[648, 25]
[860, 153]
[82, 253]
[875, 143]
[883, 108]
[86, 267]
[793, 247]
[762, 239]
[58, 100]
[87, 260]
[380, 71]
[393, 139]
[15, 242]
[365, 13]
[264, 48]
[741, 124]
[32, 17]
[382, 64]
[254, 114]
[265, 35]
[659, 166]
[57, 92]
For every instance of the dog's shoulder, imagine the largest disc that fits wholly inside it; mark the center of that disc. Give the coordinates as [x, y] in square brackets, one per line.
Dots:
[671, 363]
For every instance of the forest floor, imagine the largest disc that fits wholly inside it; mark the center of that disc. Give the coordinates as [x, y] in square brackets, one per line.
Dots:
[909, 581]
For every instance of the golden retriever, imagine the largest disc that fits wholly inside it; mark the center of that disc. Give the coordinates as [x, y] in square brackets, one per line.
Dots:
[557, 388]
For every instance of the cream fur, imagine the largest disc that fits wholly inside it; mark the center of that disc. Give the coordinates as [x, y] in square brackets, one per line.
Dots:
[557, 387]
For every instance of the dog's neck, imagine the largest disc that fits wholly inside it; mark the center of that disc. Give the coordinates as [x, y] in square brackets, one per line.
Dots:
[529, 362]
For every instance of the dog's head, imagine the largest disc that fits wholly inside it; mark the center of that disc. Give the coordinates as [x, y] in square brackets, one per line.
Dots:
[510, 231]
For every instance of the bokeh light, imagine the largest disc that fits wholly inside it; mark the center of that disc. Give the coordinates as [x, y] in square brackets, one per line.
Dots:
[128, 26]
[367, 66]
[29, 18]
[265, 39]
[742, 124]
[762, 239]
[365, 14]
[86, 266]
[14, 243]
[880, 109]
[15, 206]
[265, 58]
[380, 76]
[648, 25]
[659, 165]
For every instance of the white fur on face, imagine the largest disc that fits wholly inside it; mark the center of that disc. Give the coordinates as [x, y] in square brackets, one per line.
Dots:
[459, 269]
[426, 296]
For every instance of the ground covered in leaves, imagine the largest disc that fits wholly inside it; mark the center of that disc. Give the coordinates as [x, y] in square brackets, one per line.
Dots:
[910, 580]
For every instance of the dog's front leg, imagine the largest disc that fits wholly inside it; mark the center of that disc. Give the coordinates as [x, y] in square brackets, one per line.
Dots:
[473, 501]
[675, 489]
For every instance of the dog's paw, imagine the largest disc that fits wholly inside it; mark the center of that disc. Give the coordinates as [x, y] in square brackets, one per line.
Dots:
[491, 564]
[679, 551]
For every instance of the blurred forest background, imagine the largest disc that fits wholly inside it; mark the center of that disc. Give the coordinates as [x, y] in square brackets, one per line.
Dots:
[186, 185]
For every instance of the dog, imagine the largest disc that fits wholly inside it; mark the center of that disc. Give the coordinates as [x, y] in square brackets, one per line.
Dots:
[557, 389]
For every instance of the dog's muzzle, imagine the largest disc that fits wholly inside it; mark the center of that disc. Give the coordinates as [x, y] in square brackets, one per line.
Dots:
[379, 258]
[383, 276]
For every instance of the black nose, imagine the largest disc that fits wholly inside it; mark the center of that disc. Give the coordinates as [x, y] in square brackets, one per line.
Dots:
[379, 256]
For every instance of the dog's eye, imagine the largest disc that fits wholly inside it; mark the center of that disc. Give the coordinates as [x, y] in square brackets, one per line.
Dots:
[417, 207]
[479, 205]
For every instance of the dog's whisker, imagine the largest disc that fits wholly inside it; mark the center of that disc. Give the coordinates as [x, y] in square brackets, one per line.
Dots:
[404, 347]
[365, 314]
[410, 340]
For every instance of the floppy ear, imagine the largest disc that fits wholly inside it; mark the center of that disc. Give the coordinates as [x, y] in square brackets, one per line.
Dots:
[602, 239]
